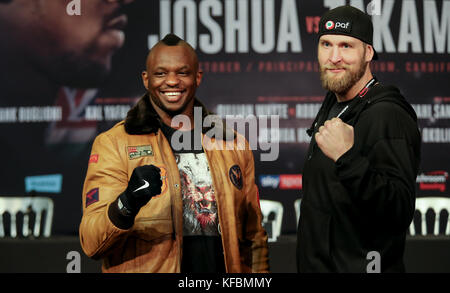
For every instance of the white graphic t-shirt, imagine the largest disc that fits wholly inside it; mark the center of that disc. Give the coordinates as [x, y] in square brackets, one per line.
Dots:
[199, 203]
[202, 242]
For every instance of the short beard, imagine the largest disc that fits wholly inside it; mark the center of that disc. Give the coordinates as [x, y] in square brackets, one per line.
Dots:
[342, 85]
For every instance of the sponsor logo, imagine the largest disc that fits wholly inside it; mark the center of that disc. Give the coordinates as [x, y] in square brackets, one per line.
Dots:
[93, 159]
[44, 183]
[145, 185]
[92, 196]
[329, 25]
[342, 25]
[135, 152]
[291, 181]
[267, 181]
[282, 181]
[434, 180]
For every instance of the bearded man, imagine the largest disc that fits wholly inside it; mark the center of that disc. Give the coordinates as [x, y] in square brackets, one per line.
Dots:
[362, 162]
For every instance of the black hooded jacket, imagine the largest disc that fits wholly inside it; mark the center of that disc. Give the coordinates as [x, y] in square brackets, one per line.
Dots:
[365, 201]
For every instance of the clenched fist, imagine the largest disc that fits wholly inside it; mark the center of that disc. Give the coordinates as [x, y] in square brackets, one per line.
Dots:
[335, 138]
[145, 182]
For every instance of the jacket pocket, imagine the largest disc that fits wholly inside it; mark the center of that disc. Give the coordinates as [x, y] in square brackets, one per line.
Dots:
[314, 239]
[152, 229]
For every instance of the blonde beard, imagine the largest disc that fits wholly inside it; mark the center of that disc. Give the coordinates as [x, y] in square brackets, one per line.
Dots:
[342, 85]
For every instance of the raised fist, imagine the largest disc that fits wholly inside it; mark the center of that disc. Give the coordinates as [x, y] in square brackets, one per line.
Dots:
[145, 182]
[335, 138]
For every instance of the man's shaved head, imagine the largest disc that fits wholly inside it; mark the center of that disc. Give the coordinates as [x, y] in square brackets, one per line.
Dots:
[172, 76]
[172, 40]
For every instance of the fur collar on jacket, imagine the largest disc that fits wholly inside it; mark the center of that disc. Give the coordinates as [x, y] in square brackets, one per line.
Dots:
[143, 119]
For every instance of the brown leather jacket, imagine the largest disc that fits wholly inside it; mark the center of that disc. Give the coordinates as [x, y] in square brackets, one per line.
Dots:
[154, 242]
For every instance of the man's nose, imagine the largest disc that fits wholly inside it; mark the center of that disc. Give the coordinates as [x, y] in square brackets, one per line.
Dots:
[172, 79]
[335, 55]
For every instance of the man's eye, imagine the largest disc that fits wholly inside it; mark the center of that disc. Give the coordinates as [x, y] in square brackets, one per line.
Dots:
[183, 73]
[159, 73]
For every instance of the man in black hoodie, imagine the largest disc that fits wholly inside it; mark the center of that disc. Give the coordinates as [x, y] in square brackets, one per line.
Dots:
[361, 166]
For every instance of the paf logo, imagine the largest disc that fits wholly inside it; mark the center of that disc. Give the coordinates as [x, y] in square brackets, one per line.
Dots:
[329, 25]
[434, 180]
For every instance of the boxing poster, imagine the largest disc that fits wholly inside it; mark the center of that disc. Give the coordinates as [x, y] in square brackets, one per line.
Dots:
[72, 69]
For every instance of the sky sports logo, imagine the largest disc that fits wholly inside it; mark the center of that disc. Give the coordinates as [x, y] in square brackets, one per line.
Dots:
[282, 181]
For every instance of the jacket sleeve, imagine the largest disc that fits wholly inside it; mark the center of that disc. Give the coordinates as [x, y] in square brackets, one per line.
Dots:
[254, 232]
[106, 178]
[381, 179]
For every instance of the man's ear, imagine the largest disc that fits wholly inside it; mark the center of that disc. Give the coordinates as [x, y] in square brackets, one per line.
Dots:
[145, 79]
[369, 53]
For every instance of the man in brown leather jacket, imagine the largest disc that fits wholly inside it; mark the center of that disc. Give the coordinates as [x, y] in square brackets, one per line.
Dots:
[151, 204]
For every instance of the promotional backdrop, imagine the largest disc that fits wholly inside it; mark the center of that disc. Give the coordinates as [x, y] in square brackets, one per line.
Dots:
[259, 58]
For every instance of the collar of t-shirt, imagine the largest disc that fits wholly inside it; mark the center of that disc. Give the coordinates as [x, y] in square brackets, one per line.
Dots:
[337, 108]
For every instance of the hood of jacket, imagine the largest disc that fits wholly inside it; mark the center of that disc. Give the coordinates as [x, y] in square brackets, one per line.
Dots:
[378, 93]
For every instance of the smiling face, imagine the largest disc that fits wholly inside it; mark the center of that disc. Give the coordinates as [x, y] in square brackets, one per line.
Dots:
[343, 61]
[172, 78]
